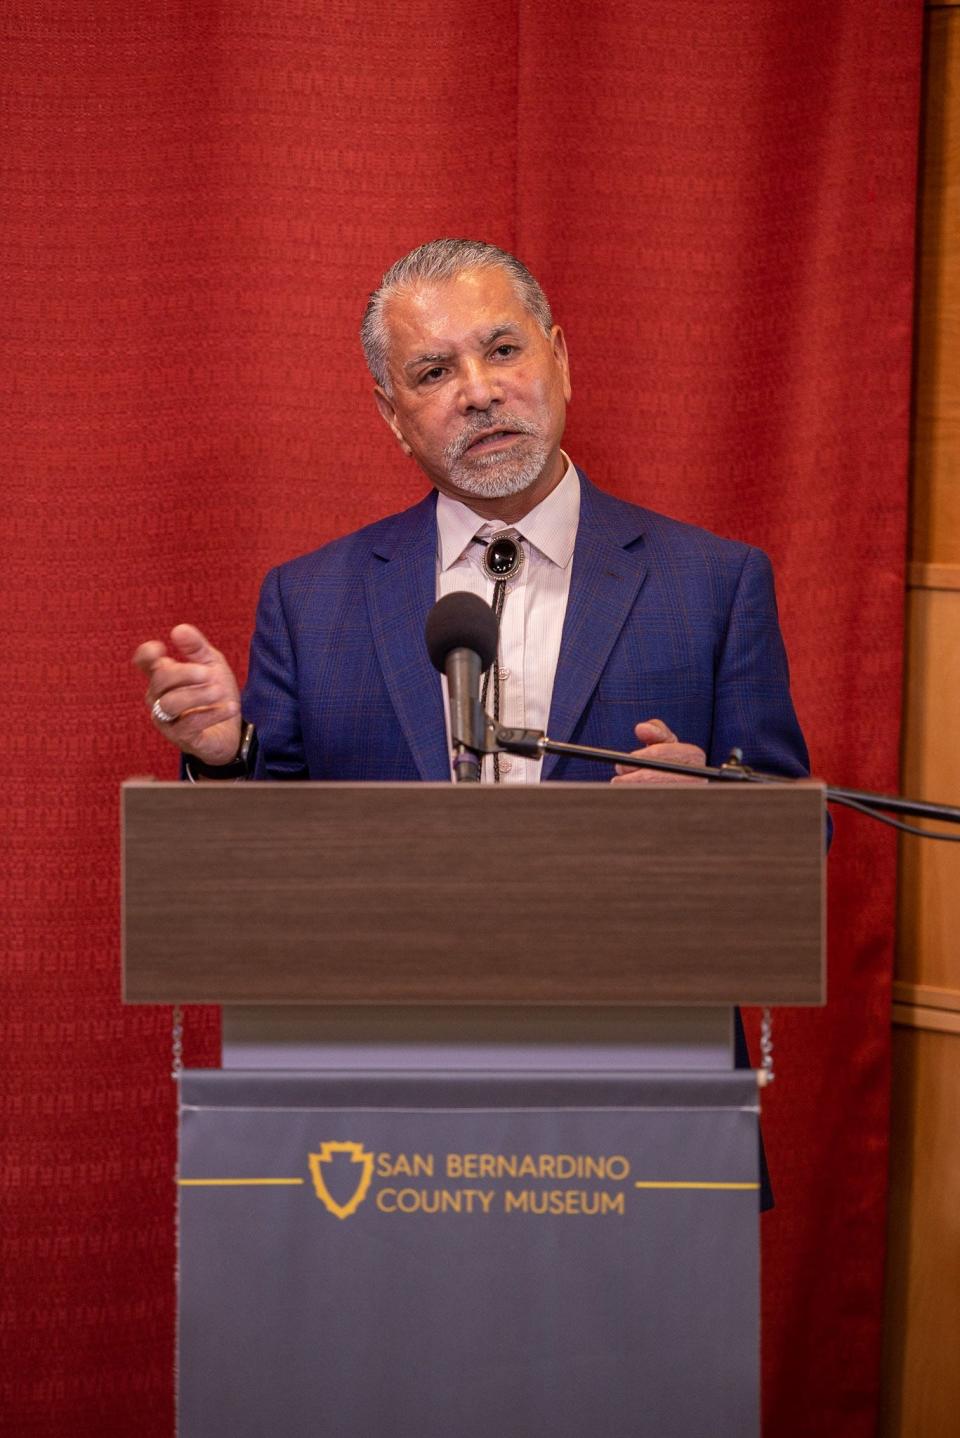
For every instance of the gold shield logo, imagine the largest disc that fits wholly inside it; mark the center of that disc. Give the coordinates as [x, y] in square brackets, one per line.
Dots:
[328, 1154]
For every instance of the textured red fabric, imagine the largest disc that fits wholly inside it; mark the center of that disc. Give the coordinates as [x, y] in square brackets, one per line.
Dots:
[719, 200]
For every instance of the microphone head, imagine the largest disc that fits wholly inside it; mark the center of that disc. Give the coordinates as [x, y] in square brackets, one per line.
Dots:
[461, 621]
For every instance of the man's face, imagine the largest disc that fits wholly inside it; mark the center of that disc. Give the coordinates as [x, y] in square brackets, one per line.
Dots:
[478, 390]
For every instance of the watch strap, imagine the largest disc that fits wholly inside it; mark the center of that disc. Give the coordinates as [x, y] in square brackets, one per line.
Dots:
[240, 767]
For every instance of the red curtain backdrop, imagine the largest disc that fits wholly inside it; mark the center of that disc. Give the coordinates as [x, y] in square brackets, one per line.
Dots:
[197, 198]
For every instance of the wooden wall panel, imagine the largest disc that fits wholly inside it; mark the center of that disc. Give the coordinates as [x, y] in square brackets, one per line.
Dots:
[922, 1347]
[929, 917]
[922, 1356]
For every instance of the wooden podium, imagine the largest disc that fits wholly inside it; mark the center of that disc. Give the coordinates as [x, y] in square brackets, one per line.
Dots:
[432, 983]
[403, 894]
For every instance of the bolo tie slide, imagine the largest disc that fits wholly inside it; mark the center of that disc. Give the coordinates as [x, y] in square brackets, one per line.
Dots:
[502, 561]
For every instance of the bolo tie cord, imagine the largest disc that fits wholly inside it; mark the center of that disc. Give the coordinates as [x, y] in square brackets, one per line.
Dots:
[499, 595]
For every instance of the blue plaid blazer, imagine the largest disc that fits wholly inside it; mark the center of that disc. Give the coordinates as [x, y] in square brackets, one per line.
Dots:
[664, 620]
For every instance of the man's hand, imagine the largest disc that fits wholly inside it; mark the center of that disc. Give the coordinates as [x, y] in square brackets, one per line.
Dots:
[197, 691]
[659, 742]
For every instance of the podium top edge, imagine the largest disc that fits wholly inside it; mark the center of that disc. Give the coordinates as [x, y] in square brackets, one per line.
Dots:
[143, 781]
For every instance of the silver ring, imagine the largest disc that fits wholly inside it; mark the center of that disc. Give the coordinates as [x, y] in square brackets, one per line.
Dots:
[160, 714]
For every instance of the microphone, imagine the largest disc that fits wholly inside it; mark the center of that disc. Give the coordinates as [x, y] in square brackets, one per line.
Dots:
[461, 637]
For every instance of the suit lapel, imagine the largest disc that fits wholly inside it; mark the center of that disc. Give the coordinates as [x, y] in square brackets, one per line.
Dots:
[401, 589]
[604, 585]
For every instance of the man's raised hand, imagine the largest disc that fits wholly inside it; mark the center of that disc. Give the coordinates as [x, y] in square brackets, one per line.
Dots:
[192, 694]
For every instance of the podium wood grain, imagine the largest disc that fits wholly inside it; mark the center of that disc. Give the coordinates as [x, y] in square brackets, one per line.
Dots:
[434, 893]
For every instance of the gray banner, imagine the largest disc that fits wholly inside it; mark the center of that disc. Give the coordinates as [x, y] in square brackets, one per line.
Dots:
[364, 1256]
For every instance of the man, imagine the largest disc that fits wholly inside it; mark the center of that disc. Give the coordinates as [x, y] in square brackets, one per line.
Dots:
[615, 613]
[619, 624]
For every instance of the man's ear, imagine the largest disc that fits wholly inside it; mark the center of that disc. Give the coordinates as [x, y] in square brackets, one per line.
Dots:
[559, 346]
[389, 414]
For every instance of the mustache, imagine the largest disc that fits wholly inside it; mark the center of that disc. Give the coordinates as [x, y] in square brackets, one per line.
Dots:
[459, 446]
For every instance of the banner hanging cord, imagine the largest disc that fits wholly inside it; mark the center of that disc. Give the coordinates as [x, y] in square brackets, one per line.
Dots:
[766, 1046]
[176, 1043]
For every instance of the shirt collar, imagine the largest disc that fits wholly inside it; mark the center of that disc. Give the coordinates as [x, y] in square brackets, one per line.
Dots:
[551, 525]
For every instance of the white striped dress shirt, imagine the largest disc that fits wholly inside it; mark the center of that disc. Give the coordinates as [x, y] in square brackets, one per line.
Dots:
[534, 605]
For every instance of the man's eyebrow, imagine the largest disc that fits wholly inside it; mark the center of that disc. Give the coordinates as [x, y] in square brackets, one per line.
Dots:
[498, 332]
[440, 357]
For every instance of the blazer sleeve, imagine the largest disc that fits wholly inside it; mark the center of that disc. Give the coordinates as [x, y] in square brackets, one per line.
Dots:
[753, 710]
[270, 695]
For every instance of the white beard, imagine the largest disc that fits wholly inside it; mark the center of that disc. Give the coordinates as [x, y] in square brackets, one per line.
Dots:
[495, 476]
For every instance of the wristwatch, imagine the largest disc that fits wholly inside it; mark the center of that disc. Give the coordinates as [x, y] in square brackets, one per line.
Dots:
[238, 768]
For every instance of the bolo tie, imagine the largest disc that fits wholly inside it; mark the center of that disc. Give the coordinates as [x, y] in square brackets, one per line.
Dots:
[502, 560]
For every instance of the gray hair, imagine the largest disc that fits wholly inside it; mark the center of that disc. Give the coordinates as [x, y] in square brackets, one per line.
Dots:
[443, 260]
